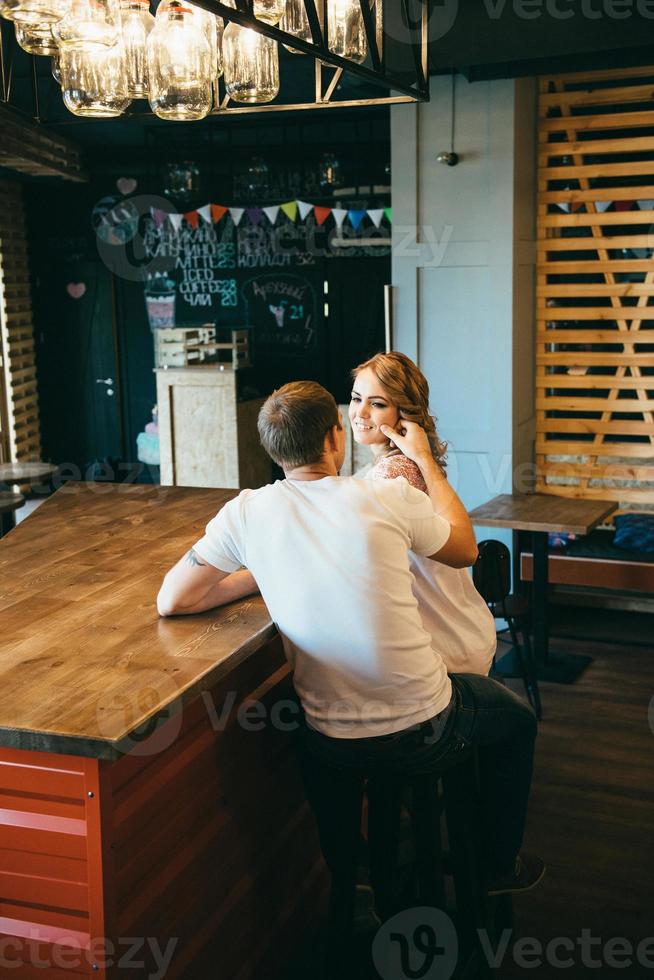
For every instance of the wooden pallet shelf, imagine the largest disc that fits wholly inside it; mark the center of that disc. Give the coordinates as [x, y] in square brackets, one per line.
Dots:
[594, 336]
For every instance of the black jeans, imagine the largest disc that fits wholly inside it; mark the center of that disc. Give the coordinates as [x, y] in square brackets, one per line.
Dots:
[482, 714]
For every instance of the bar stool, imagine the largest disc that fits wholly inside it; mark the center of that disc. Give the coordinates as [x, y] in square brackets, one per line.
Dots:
[491, 574]
[451, 792]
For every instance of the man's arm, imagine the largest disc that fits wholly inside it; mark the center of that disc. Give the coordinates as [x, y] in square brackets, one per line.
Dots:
[193, 585]
[460, 550]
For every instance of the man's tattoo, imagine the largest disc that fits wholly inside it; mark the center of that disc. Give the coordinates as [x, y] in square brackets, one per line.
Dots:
[193, 559]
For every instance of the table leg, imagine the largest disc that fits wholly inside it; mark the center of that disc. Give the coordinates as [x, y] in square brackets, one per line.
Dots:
[561, 668]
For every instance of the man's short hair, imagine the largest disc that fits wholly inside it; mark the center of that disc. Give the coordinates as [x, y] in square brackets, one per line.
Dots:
[294, 421]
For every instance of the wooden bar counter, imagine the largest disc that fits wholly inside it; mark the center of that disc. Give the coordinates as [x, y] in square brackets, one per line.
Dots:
[152, 822]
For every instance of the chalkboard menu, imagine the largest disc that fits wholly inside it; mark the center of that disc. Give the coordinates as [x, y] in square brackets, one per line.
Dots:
[248, 275]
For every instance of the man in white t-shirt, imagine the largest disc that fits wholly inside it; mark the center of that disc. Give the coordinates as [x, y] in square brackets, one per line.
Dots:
[331, 559]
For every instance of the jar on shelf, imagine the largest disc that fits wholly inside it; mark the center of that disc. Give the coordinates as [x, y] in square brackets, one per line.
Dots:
[251, 65]
[94, 83]
[136, 22]
[179, 64]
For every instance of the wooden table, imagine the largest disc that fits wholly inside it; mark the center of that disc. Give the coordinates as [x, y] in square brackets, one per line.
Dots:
[135, 801]
[541, 514]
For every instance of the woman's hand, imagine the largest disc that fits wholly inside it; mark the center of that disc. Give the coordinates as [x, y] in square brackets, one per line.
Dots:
[411, 440]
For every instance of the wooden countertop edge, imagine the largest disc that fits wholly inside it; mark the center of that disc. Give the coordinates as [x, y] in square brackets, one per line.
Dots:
[113, 749]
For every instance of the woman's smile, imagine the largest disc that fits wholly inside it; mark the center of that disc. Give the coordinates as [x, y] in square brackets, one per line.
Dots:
[370, 408]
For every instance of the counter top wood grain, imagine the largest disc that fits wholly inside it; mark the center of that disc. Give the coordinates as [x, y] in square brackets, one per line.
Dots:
[86, 664]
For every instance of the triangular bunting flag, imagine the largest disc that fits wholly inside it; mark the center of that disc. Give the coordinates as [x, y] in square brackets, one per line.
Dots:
[290, 210]
[305, 209]
[158, 216]
[603, 205]
[176, 221]
[646, 205]
[192, 218]
[271, 213]
[388, 214]
[340, 214]
[217, 212]
[356, 217]
[321, 214]
[237, 214]
[254, 216]
[624, 205]
[205, 213]
[376, 216]
[564, 206]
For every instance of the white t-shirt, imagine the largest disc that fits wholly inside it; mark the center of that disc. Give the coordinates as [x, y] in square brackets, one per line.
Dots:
[460, 624]
[331, 560]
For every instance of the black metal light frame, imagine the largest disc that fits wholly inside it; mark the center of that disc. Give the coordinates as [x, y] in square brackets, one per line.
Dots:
[414, 18]
[413, 22]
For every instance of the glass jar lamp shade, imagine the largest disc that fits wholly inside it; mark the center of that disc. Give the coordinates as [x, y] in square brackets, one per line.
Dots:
[34, 13]
[346, 33]
[136, 22]
[270, 11]
[179, 64]
[213, 28]
[36, 40]
[296, 22]
[94, 83]
[89, 25]
[251, 64]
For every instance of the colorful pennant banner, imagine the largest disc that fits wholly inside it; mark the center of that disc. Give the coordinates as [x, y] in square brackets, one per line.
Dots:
[213, 213]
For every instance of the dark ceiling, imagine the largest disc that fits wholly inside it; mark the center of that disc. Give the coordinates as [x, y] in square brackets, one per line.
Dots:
[481, 39]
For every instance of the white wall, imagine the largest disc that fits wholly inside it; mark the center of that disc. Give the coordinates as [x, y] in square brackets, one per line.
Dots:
[463, 268]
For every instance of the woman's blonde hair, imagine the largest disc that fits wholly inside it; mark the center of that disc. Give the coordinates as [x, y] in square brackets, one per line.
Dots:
[408, 390]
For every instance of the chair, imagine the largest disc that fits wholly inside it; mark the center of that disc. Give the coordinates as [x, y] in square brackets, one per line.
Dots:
[428, 804]
[492, 577]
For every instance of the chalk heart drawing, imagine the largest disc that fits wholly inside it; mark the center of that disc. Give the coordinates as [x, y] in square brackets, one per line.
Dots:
[76, 289]
[126, 185]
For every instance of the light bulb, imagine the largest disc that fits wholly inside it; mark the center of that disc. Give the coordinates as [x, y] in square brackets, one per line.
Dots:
[179, 64]
[346, 34]
[251, 63]
[136, 22]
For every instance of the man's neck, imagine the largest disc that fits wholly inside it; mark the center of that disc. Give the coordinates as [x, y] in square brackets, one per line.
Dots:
[313, 471]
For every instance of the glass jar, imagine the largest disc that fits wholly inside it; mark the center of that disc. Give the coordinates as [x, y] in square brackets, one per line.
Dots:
[55, 64]
[270, 11]
[296, 22]
[179, 64]
[34, 13]
[94, 83]
[346, 34]
[213, 28]
[251, 63]
[36, 40]
[136, 22]
[89, 24]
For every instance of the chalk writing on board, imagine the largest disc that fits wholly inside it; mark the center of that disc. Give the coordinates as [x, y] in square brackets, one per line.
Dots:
[282, 309]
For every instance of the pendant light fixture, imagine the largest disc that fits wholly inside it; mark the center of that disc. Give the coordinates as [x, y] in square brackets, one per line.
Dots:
[136, 22]
[346, 33]
[179, 64]
[251, 65]
[94, 82]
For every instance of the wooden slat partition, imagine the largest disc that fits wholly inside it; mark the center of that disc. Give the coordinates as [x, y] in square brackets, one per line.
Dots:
[21, 430]
[595, 269]
[34, 149]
